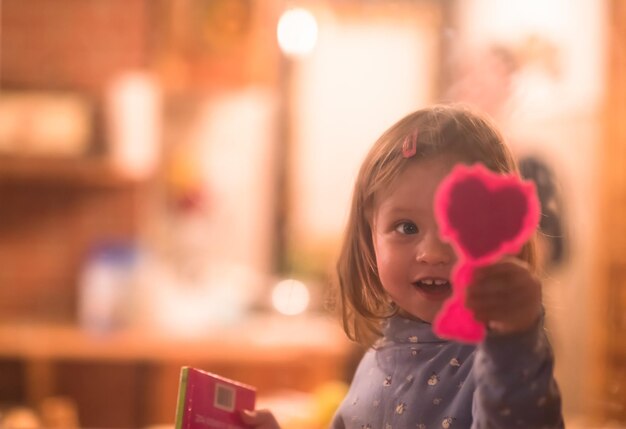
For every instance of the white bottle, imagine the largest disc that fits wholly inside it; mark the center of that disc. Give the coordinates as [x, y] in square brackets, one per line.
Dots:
[104, 287]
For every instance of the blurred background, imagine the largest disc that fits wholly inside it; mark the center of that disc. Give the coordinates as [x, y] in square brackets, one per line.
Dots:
[175, 176]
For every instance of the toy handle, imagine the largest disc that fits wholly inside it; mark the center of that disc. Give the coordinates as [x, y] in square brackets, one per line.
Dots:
[454, 321]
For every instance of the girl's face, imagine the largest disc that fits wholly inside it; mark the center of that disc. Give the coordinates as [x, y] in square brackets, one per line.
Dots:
[413, 263]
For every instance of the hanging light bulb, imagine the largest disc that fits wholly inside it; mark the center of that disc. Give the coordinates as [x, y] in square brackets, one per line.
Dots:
[290, 297]
[297, 32]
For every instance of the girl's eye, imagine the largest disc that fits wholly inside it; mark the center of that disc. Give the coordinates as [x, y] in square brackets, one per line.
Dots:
[407, 228]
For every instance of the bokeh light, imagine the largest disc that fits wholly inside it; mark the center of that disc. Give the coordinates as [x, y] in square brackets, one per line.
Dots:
[297, 32]
[290, 297]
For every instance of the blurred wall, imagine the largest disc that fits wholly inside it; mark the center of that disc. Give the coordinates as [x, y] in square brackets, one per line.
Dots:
[372, 65]
[72, 44]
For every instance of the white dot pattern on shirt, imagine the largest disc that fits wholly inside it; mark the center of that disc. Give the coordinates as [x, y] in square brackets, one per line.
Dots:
[433, 380]
[443, 369]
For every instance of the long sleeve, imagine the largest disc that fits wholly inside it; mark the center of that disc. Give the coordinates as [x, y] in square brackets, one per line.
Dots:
[515, 387]
[337, 422]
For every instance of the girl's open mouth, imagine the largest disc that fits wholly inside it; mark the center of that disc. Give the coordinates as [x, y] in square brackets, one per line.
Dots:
[435, 289]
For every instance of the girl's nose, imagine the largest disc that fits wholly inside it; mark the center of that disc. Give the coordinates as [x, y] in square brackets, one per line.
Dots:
[431, 250]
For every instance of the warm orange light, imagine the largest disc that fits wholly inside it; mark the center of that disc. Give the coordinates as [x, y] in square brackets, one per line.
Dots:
[134, 121]
[290, 297]
[297, 32]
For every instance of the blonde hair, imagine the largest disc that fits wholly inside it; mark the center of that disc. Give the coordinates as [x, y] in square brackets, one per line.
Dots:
[442, 128]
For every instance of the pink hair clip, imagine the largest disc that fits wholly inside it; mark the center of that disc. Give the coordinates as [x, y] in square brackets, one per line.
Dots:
[409, 145]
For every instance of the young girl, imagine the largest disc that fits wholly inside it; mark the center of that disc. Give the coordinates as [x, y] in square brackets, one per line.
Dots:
[394, 273]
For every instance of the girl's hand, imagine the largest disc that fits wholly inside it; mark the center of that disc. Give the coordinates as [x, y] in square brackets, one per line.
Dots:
[506, 296]
[259, 419]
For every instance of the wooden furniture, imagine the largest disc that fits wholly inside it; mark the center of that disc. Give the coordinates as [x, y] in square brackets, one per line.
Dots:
[608, 379]
[85, 172]
[129, 378]
[51, 211]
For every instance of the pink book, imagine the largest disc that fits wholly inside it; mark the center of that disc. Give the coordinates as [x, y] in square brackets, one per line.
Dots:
[209, 401]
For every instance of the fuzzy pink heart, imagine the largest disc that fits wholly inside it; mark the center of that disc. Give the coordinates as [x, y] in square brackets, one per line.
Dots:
[484, 215]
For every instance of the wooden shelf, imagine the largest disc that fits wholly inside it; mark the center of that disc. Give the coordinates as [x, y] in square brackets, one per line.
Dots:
[257, 340]
[135, 372]
[53, 171]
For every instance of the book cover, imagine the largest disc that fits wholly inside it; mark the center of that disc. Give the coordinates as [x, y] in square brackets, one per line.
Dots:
[209, 401]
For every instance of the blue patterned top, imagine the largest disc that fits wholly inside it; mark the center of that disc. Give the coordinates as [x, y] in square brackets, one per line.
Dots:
[413, 379]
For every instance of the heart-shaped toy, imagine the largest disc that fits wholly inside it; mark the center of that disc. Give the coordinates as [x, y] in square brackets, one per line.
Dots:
[484, 215]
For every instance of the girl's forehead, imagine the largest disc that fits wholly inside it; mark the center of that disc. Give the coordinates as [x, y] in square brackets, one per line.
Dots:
[425, 170]
[417, 183]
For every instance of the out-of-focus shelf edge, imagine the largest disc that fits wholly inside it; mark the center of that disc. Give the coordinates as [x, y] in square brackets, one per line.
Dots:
[76, 172]
[248, 342]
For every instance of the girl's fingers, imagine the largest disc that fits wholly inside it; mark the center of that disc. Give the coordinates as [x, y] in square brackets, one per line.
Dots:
[501, 270]
[505, 293]
[259, 419]
[498, 292]
[486, 314]
[500, 308]
[505, 297]
[503, 279]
